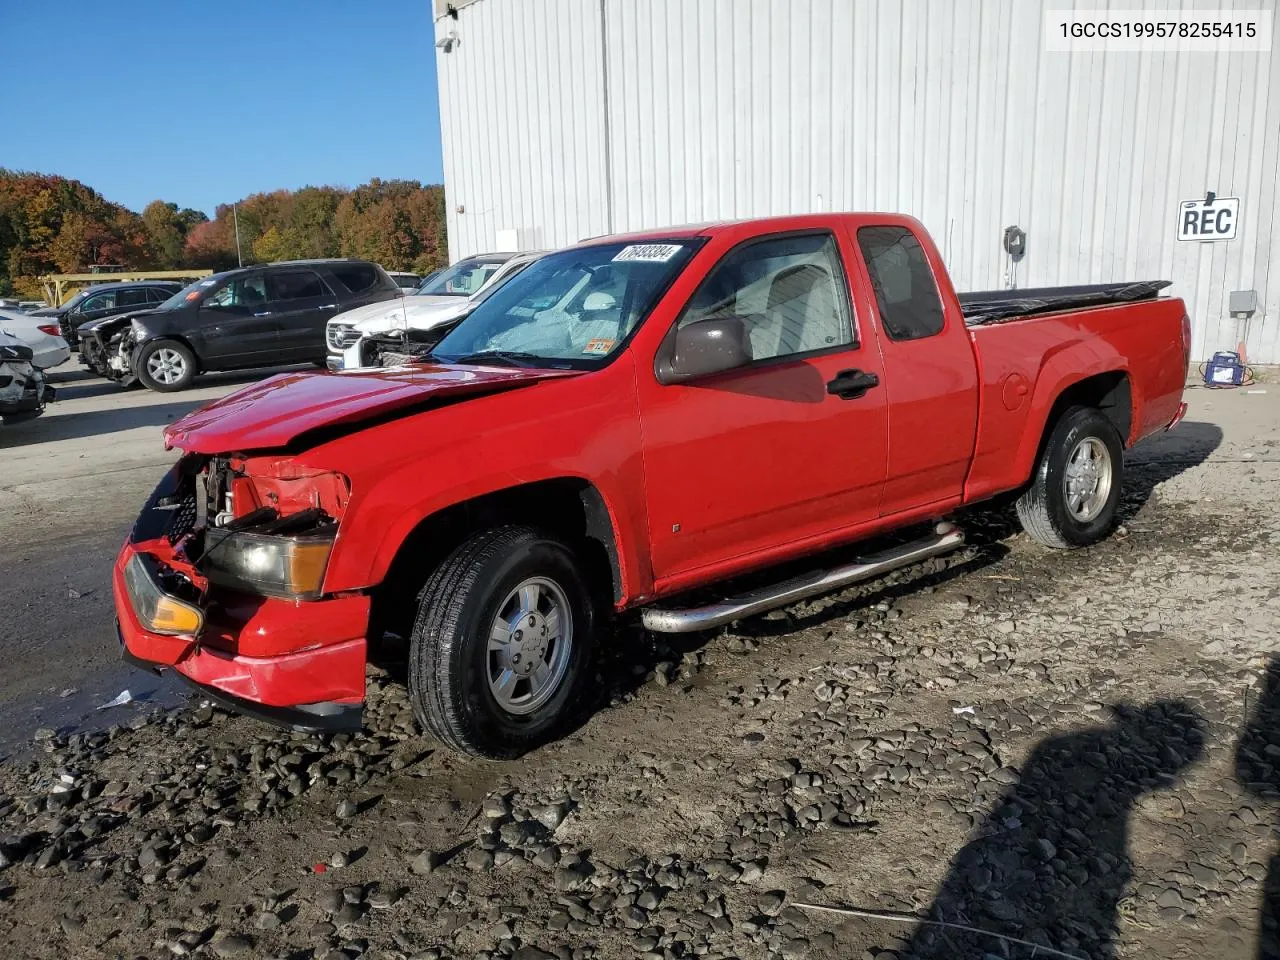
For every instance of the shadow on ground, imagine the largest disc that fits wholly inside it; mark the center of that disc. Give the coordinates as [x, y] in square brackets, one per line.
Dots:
[1258, 770]
[92, 423]
[1049, 863]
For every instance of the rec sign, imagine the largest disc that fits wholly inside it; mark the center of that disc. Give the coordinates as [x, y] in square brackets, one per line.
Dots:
[1208, 219]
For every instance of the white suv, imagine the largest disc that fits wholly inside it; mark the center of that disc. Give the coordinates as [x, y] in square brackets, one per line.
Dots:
[441, 298]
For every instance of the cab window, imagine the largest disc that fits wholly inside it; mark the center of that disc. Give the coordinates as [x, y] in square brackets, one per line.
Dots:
[906, 293]
[296, 285]
[789, 292]
[99, 301]
[241, 292]
[131, 298]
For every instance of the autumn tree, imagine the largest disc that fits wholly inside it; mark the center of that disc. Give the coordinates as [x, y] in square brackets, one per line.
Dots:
[52, 224]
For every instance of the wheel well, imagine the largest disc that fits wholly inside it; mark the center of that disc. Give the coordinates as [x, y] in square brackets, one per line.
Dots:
[177, 338]
[1111, 393]
[568, 508]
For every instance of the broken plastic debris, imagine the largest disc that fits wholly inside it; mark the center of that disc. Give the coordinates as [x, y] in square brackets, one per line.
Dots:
[1255, 391]
[124, 699]
[960, 710]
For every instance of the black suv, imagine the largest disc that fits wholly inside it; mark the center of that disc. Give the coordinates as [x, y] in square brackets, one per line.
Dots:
[252, 317]
[106, 299]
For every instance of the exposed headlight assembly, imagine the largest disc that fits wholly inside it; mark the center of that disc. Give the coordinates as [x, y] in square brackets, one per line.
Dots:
[269, 565]
[158, 611]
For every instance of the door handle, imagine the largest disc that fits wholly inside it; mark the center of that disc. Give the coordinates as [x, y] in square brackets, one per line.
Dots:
[264, 313]
[851, 384]
[327, 306]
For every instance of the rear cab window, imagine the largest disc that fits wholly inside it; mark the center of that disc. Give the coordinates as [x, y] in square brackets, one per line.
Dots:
[906, 292]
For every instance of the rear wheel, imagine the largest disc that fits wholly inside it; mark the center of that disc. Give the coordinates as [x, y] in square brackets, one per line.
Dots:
[502, 644]
[1075, 491]
[166, 366]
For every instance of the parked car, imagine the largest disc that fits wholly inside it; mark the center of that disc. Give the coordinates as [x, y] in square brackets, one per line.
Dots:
[407, 282]
[250, 317]
[41, 334]
[451, 287]
[105, 300]
[27, 306]
[23, 390]
[718, 401]
[396, 333]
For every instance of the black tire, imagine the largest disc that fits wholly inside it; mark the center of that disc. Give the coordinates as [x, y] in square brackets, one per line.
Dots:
[174, 348]
[1043, 508]
[449, 657]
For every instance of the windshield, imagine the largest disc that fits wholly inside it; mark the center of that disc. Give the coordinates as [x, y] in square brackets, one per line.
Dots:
[69, 304]
[191, 291]
[461, 280]
[572, 309]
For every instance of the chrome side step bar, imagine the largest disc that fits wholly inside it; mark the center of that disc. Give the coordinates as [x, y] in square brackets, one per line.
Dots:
[946, 537]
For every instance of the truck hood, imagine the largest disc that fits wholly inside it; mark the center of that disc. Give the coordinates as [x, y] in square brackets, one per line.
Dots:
[390, 314]
[277, 411]
[111, 320]
[416, 313]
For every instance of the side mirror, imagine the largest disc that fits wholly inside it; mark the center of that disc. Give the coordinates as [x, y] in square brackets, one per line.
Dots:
[705, 347]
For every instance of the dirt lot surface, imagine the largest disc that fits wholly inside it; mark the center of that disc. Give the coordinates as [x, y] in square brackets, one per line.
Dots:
[71, 483]
[1077, 750]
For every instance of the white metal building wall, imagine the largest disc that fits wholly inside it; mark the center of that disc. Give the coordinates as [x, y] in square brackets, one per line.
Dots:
[564, 119]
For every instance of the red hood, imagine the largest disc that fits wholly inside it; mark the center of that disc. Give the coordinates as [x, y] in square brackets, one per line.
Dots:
[278, 410]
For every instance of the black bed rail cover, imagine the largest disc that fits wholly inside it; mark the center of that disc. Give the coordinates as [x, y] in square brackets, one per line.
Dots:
[997, 306]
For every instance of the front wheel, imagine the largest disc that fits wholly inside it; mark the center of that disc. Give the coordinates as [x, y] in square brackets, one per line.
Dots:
[1075, 491]
[166, 366]
[502, 644]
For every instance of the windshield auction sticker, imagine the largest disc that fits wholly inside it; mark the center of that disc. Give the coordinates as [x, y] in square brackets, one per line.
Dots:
[599, 346]
[648, 252]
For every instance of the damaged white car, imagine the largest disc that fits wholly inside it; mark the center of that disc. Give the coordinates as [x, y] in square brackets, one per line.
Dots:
[400, 331]
[23, 390]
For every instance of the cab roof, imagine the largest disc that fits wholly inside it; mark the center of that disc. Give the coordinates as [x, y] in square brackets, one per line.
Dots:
[751, 225]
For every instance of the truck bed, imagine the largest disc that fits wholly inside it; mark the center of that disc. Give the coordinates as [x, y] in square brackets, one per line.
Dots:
[1001, 306]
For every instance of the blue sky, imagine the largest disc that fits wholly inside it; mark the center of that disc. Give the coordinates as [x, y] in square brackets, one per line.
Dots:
[220, 98]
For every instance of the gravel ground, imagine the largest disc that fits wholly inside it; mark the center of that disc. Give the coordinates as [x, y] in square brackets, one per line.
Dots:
[1079, 751]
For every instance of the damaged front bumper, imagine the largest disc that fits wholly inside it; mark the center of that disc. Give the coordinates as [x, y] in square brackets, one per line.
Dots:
[23, 392]
[292, 662]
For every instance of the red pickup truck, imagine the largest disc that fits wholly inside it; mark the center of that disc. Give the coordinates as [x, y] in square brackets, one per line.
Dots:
[625, 421]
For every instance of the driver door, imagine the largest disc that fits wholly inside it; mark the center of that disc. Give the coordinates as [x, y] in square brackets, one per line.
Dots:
[744, 465]
[236, 324]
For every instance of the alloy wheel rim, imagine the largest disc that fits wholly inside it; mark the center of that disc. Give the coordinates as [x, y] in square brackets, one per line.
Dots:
[166, 365]
[529, 645]
[1086, 481]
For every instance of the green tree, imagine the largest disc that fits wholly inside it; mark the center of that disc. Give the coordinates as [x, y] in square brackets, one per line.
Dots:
[271, 246]
[166, 233]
